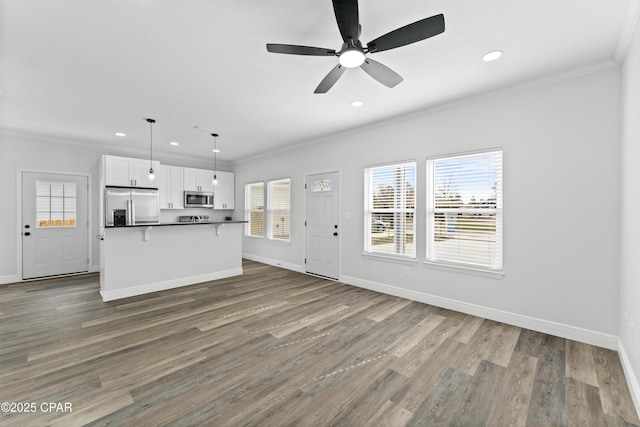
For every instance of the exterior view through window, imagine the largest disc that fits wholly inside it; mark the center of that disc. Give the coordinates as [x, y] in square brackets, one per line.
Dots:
[389, 210]
[56, 204]
[254, 209]
[464, 210]
[279, 200]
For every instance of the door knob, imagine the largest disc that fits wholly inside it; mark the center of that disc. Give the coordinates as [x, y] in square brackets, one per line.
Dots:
[27, 226]
[335, 234]
[27, 234]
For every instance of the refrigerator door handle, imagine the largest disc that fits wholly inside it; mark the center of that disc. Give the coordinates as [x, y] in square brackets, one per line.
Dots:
[133, 212]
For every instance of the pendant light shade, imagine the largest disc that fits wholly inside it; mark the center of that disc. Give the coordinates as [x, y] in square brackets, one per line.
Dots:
[215, 158]
[151, 175]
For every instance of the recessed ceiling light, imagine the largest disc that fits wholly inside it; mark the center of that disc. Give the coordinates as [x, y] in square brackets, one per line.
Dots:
[120, 134]
[174, 143]
[492, 56]
[357, 104]
[217, 150]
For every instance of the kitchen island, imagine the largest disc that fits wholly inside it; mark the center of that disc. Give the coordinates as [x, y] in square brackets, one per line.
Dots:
[140, 259]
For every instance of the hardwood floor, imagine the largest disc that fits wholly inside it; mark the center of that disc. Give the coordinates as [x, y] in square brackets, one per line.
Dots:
[279, 348]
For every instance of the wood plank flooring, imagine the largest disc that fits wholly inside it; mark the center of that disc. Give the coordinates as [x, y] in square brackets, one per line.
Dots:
[279, 348]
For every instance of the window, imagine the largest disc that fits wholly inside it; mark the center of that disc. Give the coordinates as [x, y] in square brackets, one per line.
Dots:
[389, 210]
[464, 210]
[56, 204]
[254, 209]
[279, 208]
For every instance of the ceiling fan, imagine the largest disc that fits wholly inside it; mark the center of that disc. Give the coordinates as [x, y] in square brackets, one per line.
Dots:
[353, 54]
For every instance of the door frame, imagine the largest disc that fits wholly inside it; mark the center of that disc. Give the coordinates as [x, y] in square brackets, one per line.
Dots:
[19, 247]
[304, 208]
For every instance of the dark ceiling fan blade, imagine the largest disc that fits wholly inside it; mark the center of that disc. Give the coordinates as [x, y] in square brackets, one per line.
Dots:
[330, 79]
[346, 12]
[408, 34]
[381, 73]
[299, 50]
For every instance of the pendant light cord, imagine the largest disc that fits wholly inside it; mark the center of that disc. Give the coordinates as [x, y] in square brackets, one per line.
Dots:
[151, 149]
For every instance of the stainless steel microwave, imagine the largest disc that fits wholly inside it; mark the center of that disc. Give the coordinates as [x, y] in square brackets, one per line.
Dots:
[198, 199]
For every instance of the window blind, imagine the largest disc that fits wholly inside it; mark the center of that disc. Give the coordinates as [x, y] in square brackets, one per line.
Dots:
[254, 209]
[279, 199]
[464, 210]
[390, 209]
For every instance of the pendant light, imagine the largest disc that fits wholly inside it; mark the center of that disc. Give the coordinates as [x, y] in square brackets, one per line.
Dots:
[215, 158]
[151, 175]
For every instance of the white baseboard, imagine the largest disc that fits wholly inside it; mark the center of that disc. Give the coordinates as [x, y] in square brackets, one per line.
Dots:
[264, 260]
[632, 379]
[12, 278]
[548, 327]
[168, 284]
[94, 268]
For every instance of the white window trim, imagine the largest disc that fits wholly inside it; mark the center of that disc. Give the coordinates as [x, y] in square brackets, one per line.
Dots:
[385, 256]
[462, 267]
[248, 210]
[269, 212]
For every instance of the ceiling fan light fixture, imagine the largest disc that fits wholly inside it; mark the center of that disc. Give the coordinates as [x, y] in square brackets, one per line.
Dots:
[351, 58]
[492, 56]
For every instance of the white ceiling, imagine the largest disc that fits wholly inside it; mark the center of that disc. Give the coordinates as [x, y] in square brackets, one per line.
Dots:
[85, 69]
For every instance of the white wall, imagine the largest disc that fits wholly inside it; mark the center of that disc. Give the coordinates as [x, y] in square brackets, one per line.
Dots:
[630, 209]
[45, 154]
[561, 146]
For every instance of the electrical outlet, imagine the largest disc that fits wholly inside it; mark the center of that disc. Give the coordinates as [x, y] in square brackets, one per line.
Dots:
[625, 331]
[407, 272]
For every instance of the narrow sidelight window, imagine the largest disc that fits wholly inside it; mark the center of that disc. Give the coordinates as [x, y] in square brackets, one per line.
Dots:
[279, 209]
[254, 209]
[390, 195]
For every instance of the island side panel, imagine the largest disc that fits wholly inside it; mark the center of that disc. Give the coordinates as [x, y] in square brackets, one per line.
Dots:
[172, 256]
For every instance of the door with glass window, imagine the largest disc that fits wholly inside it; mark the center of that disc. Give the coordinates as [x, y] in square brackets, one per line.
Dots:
[322, 221]
[54, 224]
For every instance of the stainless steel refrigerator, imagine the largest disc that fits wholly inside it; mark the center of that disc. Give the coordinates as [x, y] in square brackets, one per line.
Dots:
[131, 206]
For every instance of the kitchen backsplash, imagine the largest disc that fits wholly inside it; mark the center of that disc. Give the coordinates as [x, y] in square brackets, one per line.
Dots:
[171, 215]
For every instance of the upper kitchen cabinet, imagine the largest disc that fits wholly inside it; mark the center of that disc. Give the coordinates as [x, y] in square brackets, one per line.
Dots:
[129, 172]
[170, 186]
[224, 192]
[198, 180]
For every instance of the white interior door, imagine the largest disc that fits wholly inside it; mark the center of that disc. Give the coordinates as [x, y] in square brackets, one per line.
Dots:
[54, 224]
[322, 232]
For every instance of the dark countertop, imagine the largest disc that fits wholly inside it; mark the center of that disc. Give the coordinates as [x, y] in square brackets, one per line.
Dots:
[180, 223]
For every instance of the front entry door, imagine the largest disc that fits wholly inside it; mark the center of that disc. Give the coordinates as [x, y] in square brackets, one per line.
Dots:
[54, 225]
[322, 233]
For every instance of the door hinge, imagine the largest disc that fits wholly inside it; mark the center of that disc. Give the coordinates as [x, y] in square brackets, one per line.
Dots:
[305, 186]
[305, 223]
[305, 260]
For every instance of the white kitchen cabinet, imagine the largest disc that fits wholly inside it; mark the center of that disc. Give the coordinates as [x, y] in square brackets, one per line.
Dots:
[129, 172]
[224, 192]
[198, 180]
[170, 186]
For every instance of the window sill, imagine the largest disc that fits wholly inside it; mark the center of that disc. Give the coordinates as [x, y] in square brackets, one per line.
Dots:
[495, 274]
[390, 258]
[279, 242]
